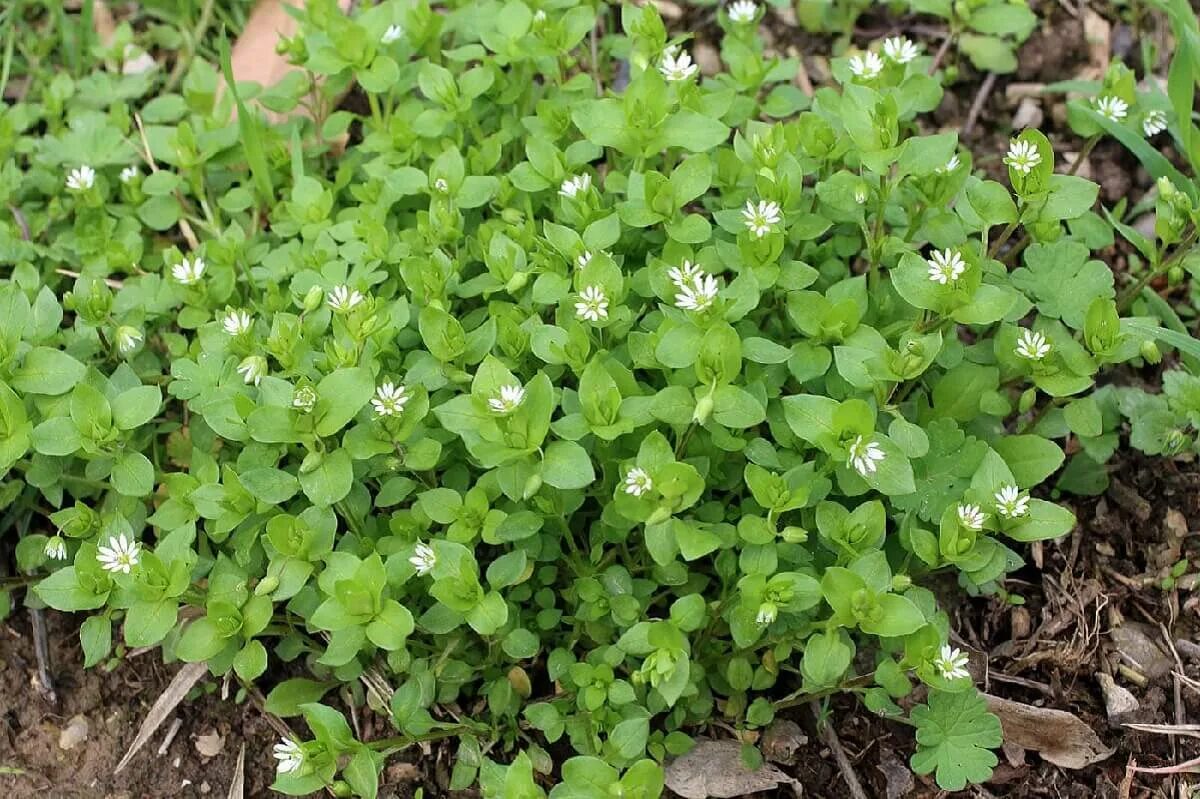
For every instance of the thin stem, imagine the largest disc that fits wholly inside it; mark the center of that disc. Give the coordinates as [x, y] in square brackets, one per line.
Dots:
[1084, 153]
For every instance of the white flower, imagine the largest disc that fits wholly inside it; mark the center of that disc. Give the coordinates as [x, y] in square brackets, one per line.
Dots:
[1011, 503]
[1032, 345]
[441, 186]
[56, 549]
[677, 67]
[392, 34]
[761, 219]
[81, 179]
[767, 613]
[304, 399]
[866, 66]
[573, 186]
[188, 273]
[900, 49]
[864, 456]
[592, 305]
[343, 298]
[289, 754]
[971, 517]
[128, 339]
[743, 11]
[1022, 156]
[946, 267]
[252, 368]
[389, 399]
[952, 663]
[237, 322]
[698, 295]
[507, 400]
[1112, 107]
[1154, 123]
[637, 481]
[685, 275]
[423, 559]
[121, 554]
[129, 173]
[950, 166]
[584, 258]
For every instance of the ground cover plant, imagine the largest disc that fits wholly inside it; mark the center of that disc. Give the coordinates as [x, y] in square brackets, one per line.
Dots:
[564, 401]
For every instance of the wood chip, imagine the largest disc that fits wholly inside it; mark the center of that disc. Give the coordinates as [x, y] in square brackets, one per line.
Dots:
[167, 701]
[1058, 736]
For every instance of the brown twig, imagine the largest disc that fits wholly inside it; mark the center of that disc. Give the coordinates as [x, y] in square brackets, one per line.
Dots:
[830, 737]
[981, 96]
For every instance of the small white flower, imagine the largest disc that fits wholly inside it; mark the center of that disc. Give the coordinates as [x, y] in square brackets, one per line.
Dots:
[637, 481]
[697, 295]
[952, 663]
[1154, 123]
[81, 179]
[573, 186]
[743, 11]
[1011, 503]
[188, 272]
[343, 298]
[1112, 107]
[767, 613]
[762, 218]
[423, 559]
[864, 456]
[392, 34]
[971, 517]
[252, 368]
[507, 400]
[946, 267]
[237, 322]
[1022, 156]
[290, 756]
[584, 258]
[304, 399]
[121, 554]
[129, 173]
[677, 67]
[867, 66]
[685, 275]
[389, 399]
[900, 49]
[592, 305]
[56, 549]
[1032, 345]
[128, 339]
[950, 166]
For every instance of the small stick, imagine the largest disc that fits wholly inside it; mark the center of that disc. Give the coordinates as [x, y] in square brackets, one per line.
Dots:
[977, 107]
[172, 731]
[41, 651]
[830, 736]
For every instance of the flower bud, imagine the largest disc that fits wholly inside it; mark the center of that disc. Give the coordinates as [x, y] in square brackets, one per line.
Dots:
[313, 299]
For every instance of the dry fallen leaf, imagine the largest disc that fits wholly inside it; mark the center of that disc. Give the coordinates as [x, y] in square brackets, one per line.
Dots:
[715, 769]
[1058, 736]
[171, 696]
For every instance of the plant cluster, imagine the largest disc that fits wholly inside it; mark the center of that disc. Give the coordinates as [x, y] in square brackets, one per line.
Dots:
[581, 402]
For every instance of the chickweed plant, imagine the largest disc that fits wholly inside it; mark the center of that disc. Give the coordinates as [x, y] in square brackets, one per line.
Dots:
[566, 402]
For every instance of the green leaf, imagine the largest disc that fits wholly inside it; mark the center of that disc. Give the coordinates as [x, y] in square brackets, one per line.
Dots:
[47, 371]
[567, 465]
[955, 733]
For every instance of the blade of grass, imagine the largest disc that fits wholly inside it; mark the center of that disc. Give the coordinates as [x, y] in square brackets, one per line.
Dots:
[250, 130]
